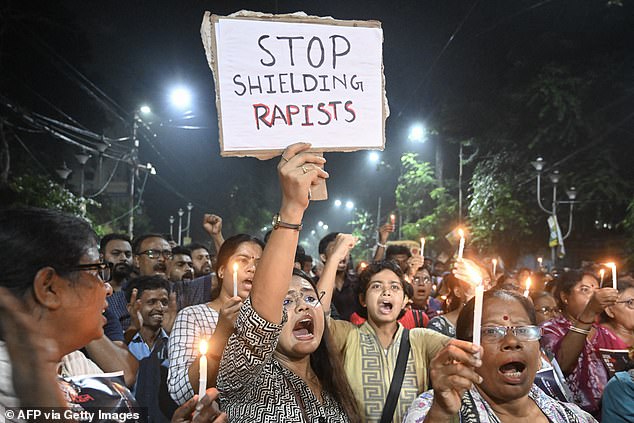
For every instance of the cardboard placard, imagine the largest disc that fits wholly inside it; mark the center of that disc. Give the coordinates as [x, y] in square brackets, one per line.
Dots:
[281, 79]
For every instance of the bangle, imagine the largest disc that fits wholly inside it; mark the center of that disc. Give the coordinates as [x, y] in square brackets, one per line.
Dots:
[378, 244]
[578, 330]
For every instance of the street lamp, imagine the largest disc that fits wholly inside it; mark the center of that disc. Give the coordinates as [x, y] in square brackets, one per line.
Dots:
[180, 225]
[190, 206]
[417, 133]
[555, 178]
[63, 172]
[172, 227]
[82, 158]
[337, 203]
[349, 205]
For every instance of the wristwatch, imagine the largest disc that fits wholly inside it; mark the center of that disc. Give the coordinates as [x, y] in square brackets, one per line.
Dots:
[277, 223]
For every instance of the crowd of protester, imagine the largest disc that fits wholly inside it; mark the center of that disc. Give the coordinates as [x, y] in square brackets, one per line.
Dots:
[292, 339]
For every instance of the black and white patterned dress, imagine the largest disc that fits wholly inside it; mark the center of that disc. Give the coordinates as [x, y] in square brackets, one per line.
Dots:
[255, 387]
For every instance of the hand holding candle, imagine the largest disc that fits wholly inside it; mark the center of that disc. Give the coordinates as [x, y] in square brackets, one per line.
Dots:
[235, 279]
[202, 385]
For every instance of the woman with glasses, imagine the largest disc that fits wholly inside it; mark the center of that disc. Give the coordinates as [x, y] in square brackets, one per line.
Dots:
[575, 336]
[423, 289]
[499, 386]
[545, 306]
[277, 365]
[214, 321]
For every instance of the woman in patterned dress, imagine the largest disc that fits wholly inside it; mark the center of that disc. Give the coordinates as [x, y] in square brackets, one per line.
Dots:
[213, 321]
[277, 366]
[499, 387]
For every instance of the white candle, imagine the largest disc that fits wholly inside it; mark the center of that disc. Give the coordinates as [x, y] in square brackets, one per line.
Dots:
[539, 262]
[202, 385]
[495, 267]
[422, 247]
[602, 275]
[528, 287]
[477, 313]
[461, 247]
[235, 279]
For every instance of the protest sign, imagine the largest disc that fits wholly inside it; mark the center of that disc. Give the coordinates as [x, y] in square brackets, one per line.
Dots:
[281, 79]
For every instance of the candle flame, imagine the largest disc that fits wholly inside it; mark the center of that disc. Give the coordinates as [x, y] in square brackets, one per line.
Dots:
[235, 267]
[602, 272]
[203, 347]
[461, 233]
[494, 261]
[363, 265]
[528, 283]
[392, 218]
[610, 264]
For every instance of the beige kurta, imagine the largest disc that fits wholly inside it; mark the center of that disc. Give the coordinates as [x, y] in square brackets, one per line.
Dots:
[370, 368]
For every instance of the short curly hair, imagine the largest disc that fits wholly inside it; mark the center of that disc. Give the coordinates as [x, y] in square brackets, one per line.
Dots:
[371, 270]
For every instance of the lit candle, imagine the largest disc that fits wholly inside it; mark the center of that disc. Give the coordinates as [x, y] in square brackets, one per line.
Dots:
[495, 267]
[539, 262]
[461, 247]
[235, 279]
[393, 219]
[612, 267]
[202, 385]
[602, 275]
[433, 288]
[477, 313]
[528, 287]
[363, 265]
[422, 247]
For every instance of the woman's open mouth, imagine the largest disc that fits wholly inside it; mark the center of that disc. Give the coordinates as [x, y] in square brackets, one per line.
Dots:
[303, 329]
[512, 372]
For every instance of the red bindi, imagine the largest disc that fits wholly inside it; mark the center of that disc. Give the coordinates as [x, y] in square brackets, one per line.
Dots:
[505, 317]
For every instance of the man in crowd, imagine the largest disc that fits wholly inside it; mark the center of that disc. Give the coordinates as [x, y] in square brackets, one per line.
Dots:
[180, 267]
[149, 296]
[116, 249]
[201, 259]
[151, 254]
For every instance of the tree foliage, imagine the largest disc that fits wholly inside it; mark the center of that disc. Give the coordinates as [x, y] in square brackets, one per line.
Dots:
[501, 219]
[427, 209]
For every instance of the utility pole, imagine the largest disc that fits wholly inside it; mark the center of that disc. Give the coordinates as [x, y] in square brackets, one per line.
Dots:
[133, 171]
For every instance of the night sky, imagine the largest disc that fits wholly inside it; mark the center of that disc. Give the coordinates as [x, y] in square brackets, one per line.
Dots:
[136, 51]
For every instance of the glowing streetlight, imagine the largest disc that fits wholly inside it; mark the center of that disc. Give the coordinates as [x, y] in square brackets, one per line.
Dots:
[180, 97]
[417, 133]
[145, 109]
[349, 205]
[374, 157]
[337, 203]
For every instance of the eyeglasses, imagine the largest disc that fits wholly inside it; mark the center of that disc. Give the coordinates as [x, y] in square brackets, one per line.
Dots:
[547, 310]
[104, 269]
[421, 281]
[154, 254]
[309, 299]
[522, 333]
[629, 303]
